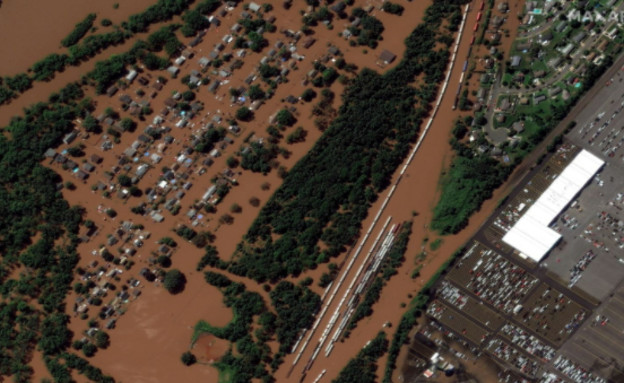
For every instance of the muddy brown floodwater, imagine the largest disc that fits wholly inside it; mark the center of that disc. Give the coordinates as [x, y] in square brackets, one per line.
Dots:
[41, 90]
[32, 29]
[156, 328]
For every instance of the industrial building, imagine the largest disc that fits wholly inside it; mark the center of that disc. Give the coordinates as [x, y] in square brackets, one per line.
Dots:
[531, 236]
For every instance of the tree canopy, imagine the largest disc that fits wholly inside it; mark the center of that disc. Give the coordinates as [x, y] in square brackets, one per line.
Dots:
[174, 281]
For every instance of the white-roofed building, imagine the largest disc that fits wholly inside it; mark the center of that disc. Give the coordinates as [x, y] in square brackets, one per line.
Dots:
[531, 235]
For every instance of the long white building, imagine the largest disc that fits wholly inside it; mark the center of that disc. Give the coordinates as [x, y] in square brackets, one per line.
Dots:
[531, 235]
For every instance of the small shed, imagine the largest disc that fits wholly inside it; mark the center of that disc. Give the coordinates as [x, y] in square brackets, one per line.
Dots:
[308, 42]
[50, 153]
[110, 92]
[254, 7]
[82, 175]
[387, 57]
[88, 167]
[131, 75]
[173, 70]
[70, 137]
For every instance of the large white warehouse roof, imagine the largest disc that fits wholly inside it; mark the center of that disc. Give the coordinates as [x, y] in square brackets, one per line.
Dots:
[531, 235]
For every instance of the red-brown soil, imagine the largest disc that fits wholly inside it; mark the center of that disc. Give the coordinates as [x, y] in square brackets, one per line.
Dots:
[210, 349]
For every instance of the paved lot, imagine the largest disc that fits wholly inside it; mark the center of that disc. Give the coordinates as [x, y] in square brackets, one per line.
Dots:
[598, 344]
[560, 318]
[595, 223]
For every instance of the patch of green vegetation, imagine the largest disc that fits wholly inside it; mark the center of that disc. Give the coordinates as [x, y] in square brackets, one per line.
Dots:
[473, 177]
[294, 305]
[435, 245]
[470, 180]
[226, 374]
[33, 301]
[363, 368]
[79, 31]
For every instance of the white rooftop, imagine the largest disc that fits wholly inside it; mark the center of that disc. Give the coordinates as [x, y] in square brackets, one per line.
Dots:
[531, 235]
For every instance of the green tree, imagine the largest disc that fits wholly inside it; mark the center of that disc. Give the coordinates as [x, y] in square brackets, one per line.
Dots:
[194, 22]
[128, 124]
[308, 95]
[172, 46]
[255, 92]
[244, 114]
[285, 118]
[393, 8]
[232, 162]
[168, 241]
[75, 151]
[154, 62]
[102, 340]
[174, 281]
[188, 358]
[91, 124]
[89, 349]
[164, 261]
[124, 180]
[298, 135]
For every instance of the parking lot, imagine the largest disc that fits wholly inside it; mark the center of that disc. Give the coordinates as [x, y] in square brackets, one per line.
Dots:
[561, 319]
[500, 307]
[550, 314]
[493, 278]
[589, 257]
[455, 321]
[470, 306]
[598, 344]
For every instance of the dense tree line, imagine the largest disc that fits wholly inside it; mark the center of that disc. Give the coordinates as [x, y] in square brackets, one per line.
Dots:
[362, 368]
[80, 30]
[93, 45]
[163, 10]
[18, 83]
[326, 195]
[370, 29]
[32, 206]
[294, 305]
[6, 95]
